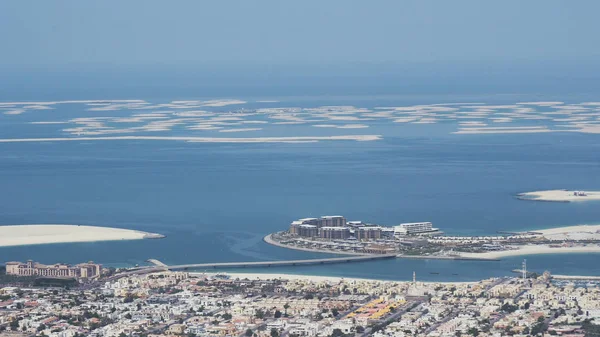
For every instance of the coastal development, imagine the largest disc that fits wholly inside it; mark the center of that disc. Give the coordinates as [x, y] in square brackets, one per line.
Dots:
[88, 270]
[179, 303]
[334, 234]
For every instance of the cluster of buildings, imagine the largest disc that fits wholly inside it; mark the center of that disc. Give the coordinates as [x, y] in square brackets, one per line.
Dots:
[88, 270]
[169, 304]
[336, 227]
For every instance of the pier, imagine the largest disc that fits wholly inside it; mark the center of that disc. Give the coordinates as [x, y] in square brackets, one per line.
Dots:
[272, 263]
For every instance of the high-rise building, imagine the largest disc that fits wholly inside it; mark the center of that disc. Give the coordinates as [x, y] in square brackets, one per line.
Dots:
[334, 233]
[367, 233]
[415, 228]
[310, 231]
[332, 221]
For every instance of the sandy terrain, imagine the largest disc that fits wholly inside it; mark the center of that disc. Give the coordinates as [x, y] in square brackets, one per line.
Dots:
[581, 232]
[312, 278]
[570, 230]
[559, 196]
[21, 235]
[534, 250]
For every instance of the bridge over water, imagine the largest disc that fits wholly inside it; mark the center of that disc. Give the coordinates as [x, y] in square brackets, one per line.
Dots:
[272, 263]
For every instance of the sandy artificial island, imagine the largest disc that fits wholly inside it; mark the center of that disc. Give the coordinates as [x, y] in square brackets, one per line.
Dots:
[575, 234]
[21, 235]
[560, 195]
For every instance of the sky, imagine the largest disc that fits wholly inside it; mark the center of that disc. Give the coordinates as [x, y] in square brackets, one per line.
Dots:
[546, 40]
[303, 33]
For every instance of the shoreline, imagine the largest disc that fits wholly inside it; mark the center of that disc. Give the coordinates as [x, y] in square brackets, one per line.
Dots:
[458, 257]
[534, 250]
[39, 234]
[318, 278]
[563, 196]
[270, 241]
[566, 233]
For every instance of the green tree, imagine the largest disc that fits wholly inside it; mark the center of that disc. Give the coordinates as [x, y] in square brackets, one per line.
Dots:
[274, 332]
[335, 312]
[473, 332]
[285, 308]
[249, 333]
[337, 333]
[277, 314]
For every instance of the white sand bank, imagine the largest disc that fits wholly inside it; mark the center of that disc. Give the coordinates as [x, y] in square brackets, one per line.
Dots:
[534, 250]
[559, 196]
[21, 235]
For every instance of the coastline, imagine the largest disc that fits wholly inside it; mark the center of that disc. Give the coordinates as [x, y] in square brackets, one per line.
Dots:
[534, 250]
[316, 278]
[39, 234]
[559, 196]
[568, 233]
[457, 257]
[270, 241]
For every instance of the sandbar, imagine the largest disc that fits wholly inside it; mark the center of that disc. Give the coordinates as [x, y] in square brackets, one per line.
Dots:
[559, 196]
[22, 235]
[197, 139]
[534, 250]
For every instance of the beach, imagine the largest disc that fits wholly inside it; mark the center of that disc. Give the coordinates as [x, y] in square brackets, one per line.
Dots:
[571, 233]
[559, 196]
[310, 278]
[533, 250]
[268, 239]
[22, 235]
[581, 232]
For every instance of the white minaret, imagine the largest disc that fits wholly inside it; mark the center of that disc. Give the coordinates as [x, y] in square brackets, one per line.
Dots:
[524, 269]
[414, 277]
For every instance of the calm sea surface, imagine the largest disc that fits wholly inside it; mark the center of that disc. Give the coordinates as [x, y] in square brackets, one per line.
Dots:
[215, 202]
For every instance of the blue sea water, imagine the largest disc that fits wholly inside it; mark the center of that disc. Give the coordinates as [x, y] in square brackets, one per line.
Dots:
[215, 202]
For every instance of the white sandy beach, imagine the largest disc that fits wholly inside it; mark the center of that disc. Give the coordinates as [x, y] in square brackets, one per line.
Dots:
[310, 278]
[569, 229]
[21, 235]
[581, 232]
[534, 250]
[559, 196]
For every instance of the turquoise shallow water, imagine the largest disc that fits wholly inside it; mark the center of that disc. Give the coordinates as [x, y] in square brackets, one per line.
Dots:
[215, 202]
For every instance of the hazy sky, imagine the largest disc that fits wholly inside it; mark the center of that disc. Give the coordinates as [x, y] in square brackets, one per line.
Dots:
[300, 33]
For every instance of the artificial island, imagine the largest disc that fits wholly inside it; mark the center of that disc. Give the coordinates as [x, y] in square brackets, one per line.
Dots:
[337, 235]
[560, 196]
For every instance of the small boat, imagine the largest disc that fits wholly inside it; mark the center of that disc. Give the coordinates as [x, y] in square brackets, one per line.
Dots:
[454, 274]
[434, 273]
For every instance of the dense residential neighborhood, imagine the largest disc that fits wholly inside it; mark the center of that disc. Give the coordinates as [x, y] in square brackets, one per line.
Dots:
[181, 303]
